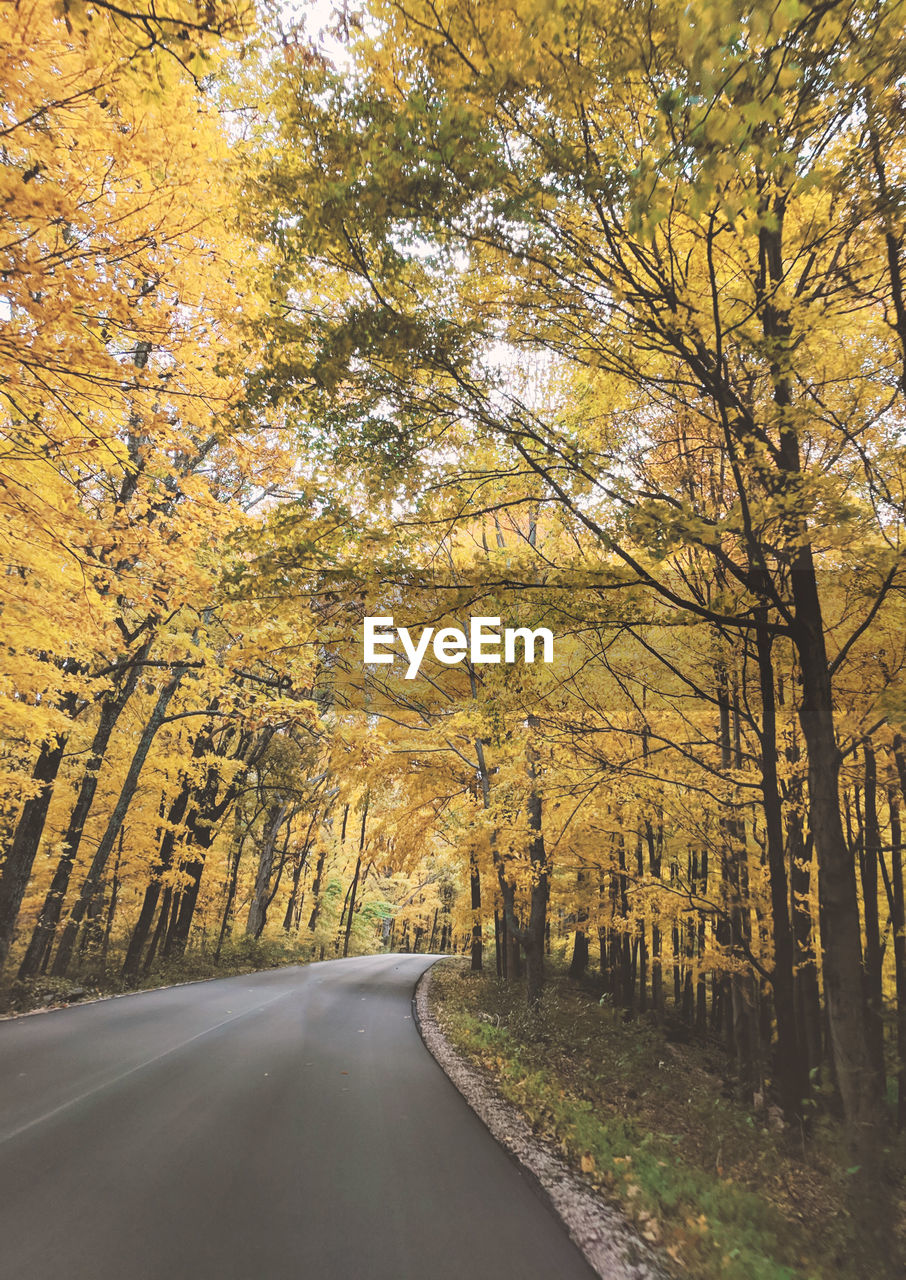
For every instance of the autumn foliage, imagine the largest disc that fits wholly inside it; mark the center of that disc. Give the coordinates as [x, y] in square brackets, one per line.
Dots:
[587, 318]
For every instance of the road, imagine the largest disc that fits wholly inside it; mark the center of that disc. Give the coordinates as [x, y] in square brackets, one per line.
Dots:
[287, 1124]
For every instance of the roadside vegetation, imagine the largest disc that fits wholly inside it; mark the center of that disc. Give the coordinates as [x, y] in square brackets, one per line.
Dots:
[381, 920]
[647, 1114]
[246, 955]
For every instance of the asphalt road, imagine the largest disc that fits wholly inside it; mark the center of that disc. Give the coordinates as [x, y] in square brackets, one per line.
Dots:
[289, 1124]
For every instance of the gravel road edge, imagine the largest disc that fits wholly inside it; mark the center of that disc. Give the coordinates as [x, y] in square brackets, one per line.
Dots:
[610, 1245]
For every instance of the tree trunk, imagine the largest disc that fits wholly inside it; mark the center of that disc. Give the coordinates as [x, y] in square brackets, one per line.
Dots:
[111, 909]
[355, 884]
[840, 929]
[232, 883]
[532, 937]
[790, 1058]
[23, 851]
[351, 907]
[258, 905]
[808, 992]
[477, 942]
[39, 946]
[316, 890]
[177, 812]
[162, 922]
[579, 962]
[738, 1004]
[201, 829]
[319, 872]
[870, 854]
[641, 942]
[178, 933]
[655, 847]
[290, 912]
[898, 922]
[117, 817]
[198, 830]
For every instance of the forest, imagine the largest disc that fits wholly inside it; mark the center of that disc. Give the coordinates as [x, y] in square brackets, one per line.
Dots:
[584, 315]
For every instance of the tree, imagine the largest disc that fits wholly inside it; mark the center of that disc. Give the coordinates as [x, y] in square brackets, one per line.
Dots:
[677, 206]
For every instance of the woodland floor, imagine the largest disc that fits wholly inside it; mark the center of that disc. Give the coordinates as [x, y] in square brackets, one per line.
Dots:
[653, 1124]
[92, 981]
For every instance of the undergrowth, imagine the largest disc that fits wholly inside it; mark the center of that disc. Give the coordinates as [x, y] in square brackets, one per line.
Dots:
[91, 980]
[725, 1193]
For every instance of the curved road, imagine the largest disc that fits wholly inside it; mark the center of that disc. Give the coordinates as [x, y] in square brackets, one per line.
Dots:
[287, 1125]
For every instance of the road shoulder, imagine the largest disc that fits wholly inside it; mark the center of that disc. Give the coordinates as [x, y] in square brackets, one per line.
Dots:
[608, 1242]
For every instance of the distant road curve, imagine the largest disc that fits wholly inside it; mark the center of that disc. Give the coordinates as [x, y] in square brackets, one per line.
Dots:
[287, 1125]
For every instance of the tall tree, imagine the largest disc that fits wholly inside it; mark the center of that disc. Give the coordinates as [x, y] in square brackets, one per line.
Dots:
[685, 217]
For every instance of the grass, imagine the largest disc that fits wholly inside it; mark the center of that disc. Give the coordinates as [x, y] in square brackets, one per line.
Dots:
[724, 1192]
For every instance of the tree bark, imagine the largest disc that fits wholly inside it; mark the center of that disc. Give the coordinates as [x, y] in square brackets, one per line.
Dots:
[117, 817]
[290, 913]
[316, 890]
[898, 921]
[579, 962]
[181, 923]
[294, 906]
[532, 936]
[160, 929]
[177, 811]
[23, 851]
[41, 941]
[352, 892]
[319, 873]
[476, 948]
[355, 882]
[239, 841]
[790, 1059]
[201, 829]
[258, 905]
[870, 854]
[114, 898]
[856, 1074]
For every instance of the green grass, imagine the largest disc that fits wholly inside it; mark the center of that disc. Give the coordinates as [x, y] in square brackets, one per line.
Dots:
[725, 1193]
